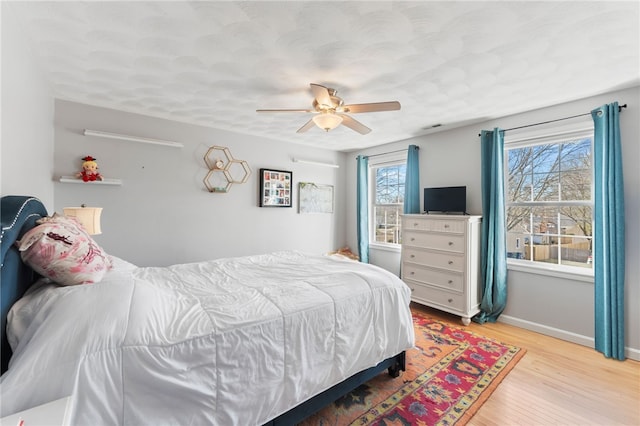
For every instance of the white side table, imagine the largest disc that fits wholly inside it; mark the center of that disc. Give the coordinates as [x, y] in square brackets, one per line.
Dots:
[50, 414]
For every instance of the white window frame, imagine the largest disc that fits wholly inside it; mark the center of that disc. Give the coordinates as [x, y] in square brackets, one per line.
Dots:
[391, 159]
[543, 136]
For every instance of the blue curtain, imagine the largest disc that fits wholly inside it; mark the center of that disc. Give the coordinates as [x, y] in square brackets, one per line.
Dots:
[412, 181]
[493, 241]
[363, 208]
[609, 255]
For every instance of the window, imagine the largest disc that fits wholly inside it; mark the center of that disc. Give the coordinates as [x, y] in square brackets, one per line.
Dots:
[387, 201]
[549, 207]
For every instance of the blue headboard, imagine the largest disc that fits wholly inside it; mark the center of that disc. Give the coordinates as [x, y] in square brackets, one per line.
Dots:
[19, 214]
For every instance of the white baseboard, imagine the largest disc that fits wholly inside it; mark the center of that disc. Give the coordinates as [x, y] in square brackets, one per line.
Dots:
[579, 339]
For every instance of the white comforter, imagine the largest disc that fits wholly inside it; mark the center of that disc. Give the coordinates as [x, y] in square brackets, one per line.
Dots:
[228, 342]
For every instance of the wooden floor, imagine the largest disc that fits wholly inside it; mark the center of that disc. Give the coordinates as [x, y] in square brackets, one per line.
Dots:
[557, 382]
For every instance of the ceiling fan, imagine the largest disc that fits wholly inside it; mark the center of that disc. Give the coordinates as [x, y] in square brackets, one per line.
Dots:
[330, 111]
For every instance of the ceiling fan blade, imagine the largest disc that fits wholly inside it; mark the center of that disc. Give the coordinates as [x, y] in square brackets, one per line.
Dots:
[354, 124]
[284, 110]
[322, 96]
[306, 127]
[372, 107]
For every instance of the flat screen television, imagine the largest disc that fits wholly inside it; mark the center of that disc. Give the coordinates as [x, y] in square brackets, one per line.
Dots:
[449, 199]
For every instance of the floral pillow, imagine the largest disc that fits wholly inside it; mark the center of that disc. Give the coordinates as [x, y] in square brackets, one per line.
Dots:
[60, 249]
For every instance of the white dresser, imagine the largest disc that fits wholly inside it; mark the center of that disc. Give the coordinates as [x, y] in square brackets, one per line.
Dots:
[441, 262]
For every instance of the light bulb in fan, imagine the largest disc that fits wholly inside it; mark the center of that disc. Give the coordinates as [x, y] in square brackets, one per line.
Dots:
[327, 121]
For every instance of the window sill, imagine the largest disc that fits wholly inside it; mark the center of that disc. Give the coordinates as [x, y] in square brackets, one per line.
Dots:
[395, 248]
[566, 272]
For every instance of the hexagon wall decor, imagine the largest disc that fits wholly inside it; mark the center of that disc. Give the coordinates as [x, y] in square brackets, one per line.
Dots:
[224, 170]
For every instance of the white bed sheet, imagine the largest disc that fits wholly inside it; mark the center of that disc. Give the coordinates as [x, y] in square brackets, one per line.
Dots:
[235, 341]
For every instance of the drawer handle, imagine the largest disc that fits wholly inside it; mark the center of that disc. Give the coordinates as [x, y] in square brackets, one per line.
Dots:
[450, 243]
[450, 281]
[415, 224]
[450, 300]
[451, 262]
[412, 256]
[446, 226]
[412, 289]
[413, 239]
[412, 273]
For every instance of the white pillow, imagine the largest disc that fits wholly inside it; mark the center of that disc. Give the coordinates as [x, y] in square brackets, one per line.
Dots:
[25, 309]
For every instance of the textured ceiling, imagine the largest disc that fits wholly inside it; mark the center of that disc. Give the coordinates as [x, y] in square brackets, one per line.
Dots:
[215, 63]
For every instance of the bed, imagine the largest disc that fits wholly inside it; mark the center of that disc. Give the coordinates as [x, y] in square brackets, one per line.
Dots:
[266, 339]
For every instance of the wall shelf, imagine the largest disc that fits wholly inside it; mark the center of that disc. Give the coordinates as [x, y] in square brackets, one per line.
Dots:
[224, 171]
[71, 179]
[109, 135]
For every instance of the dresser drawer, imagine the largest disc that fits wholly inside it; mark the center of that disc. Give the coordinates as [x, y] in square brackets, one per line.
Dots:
[433, 296]
[444, 242]
[434, 225]
[451, 261]
[435, 277]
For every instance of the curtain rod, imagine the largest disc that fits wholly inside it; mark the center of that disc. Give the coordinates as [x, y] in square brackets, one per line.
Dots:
[553, 121]
[390, 152]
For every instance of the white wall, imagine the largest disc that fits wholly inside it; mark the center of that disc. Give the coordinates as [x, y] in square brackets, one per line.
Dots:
[163, 214]
[26, 150]
[554, 306]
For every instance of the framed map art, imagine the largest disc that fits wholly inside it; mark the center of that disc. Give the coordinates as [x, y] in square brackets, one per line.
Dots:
[315, 198]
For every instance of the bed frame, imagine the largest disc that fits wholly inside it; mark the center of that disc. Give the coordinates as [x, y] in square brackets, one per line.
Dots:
[19, 214]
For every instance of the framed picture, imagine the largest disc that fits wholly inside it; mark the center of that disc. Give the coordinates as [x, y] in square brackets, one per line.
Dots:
[315, 198]
[275, 188]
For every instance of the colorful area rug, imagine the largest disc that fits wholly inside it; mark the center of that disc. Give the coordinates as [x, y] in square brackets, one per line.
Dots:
[450, 374]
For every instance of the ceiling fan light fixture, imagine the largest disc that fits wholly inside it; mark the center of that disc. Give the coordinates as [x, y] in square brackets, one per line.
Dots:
[327, 121]
[330, 111]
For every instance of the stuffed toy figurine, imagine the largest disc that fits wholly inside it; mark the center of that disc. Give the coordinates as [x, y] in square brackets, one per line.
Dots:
[89, 171]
